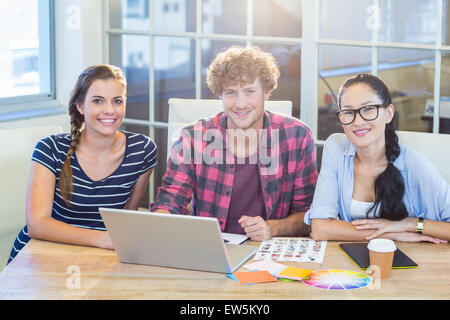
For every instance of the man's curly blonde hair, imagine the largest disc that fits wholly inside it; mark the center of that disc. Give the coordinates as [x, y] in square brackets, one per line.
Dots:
[242, 65]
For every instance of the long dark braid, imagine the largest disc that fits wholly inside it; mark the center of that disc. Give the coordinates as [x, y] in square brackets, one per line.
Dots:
[389, 185]
[65, 179]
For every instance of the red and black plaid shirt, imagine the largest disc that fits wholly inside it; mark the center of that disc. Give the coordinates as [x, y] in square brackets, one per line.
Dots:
[288, 186]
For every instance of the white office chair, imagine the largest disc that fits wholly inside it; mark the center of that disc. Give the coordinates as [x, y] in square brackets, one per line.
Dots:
[16, 147]
[433, 146]
[183, 112]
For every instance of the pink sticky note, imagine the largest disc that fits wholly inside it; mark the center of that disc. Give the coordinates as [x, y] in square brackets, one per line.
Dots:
[268, 265]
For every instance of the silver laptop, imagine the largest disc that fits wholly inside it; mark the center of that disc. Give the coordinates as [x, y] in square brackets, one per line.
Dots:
[169, 240]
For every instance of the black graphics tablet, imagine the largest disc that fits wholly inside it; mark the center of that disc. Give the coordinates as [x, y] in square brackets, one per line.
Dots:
[359, 253]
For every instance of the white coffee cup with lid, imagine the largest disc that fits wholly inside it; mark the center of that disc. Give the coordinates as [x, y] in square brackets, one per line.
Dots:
[382, 245]
[381, 254]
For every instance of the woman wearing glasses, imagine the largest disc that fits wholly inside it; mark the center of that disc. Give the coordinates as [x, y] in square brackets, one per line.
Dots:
[371, 186]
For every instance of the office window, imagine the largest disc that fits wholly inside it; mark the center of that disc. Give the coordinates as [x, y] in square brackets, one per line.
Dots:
[174, 78]
[338, 21]
[26, 52]
[174, 72]
[404, 42]
[408, 21]
[224, 16]
[175, 15]
[288, 58]
[444, 108]
[131, 53]
[334, 68]
[129, 14]
[409, 75]
[409, 72]
[277, 18]
[165, 56]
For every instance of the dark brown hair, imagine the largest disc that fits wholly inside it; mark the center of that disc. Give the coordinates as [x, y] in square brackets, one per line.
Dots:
[84, 82]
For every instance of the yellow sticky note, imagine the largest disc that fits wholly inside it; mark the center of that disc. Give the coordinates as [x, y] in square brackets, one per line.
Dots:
[294, 273]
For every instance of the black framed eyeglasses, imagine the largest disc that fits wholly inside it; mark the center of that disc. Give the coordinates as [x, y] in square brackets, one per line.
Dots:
[368, 113]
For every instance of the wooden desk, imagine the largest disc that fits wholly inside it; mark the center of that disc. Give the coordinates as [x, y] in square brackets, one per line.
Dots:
[40, 272]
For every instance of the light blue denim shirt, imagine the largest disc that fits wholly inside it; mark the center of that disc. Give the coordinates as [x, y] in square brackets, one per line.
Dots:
[427, 193]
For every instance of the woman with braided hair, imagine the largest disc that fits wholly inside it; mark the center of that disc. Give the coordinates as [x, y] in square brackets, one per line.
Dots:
[371, 186]
[96, 165]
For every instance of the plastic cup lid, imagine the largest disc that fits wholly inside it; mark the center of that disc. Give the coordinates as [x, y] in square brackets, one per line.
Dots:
[382, 245]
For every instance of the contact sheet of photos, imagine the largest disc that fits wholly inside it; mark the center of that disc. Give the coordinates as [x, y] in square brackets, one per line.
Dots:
[291, 249]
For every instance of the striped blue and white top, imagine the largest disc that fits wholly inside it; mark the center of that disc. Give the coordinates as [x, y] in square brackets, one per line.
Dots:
[88, 195]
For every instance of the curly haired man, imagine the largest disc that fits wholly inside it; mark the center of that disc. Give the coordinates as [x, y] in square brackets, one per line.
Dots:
[256, 172]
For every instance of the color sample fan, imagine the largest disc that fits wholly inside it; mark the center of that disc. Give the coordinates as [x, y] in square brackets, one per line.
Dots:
[338, 280]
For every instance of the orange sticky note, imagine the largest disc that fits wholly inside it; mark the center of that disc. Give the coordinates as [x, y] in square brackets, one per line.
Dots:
[294, 273]
[252, 277]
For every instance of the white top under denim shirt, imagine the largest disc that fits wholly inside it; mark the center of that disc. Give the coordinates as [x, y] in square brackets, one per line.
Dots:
[427, 193]
[358, 210]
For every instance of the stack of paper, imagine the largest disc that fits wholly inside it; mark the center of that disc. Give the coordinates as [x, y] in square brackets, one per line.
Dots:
[291, 249]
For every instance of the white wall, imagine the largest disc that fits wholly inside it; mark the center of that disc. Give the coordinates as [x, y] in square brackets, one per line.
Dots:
[61, 120]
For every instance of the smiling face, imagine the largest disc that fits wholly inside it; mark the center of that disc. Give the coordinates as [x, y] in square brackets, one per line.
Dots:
[361, 132]
[244, 105]
[103, 107]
